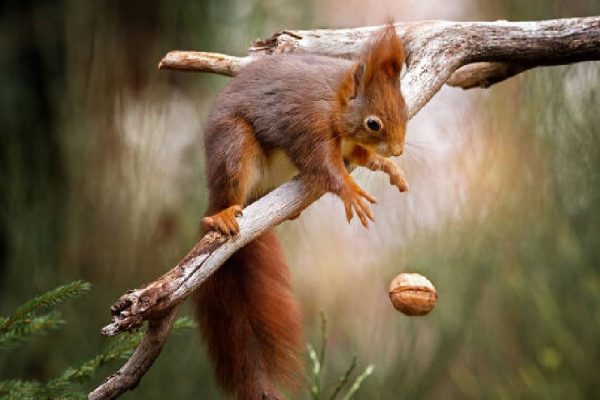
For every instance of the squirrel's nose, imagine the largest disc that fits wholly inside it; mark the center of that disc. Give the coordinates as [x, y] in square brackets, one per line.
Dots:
[397, 150]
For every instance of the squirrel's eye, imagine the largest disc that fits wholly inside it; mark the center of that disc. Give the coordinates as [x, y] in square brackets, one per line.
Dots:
[373, 123]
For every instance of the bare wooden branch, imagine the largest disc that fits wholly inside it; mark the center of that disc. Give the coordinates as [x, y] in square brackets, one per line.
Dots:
[204, 62]
[154, 299]
[488, 52]
[485, 52]
[159, 301]
[484, 74]
[475, 75]
[200, 61]
[140, 361]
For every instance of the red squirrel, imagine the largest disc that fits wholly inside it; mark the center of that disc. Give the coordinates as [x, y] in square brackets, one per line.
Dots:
[284, 115]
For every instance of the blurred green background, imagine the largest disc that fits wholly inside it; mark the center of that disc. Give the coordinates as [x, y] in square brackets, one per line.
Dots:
[101, 178]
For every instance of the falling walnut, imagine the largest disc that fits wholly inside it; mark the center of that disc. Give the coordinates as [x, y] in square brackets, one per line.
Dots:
[412, 294]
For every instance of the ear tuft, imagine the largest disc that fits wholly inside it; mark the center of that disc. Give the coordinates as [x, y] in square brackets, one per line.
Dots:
[385, 55]
[351, 83]
[359, 71]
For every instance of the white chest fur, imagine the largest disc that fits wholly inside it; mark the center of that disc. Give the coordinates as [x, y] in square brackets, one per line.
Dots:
[276, 168]
[270, 171]
[279, 169]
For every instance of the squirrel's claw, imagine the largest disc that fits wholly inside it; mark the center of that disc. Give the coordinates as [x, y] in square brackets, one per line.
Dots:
[397, 176]
[400, 182]
[237, 210]
[224, 221]
[354, 203]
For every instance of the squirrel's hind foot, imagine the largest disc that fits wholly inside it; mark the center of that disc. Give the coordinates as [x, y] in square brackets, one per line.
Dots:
[224, 221]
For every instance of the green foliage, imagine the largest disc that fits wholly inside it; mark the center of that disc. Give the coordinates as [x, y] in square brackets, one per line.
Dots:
[24, 324]
[53, 298]
[358, 381]
[22, 331]
[343, 380]
[316, 371]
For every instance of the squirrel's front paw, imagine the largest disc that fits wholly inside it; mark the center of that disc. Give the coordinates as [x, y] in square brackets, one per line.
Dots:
[354, 198]
[224, 221]
[398, 179]
[397, 176]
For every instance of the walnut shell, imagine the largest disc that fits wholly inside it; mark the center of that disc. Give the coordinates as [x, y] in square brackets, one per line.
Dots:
[412, 294]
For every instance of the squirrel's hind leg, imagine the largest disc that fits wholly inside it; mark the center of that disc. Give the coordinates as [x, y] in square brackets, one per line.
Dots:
[233, 175]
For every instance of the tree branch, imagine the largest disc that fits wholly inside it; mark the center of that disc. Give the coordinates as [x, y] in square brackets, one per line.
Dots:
[464, 54]
[485, 74]
[171, 289]
[159, 301]
[140, 361]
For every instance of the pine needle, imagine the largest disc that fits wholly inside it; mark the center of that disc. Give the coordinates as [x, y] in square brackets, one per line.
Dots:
[26, 323]
[45, 301]
[359, 380]
[344, 378]
[23, 330]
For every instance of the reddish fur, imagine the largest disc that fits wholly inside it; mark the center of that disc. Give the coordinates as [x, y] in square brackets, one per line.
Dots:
[360, 156]
[385, 54]
[250, 322]
[305, 106]
[382, 58]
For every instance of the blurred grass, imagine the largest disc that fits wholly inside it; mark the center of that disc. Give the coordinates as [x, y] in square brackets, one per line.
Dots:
[101, 180]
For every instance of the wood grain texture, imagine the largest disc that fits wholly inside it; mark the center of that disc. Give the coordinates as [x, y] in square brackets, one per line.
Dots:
[129, 375]
[464, 54]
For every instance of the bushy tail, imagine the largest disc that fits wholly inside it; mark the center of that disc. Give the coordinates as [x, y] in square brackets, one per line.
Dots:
[251, 323]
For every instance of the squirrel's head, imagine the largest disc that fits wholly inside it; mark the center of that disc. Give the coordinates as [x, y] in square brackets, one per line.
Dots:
[373, 112]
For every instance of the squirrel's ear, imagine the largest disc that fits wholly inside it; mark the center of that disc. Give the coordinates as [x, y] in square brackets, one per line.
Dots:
[385, 55]
[352, 82]
[359, 71]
